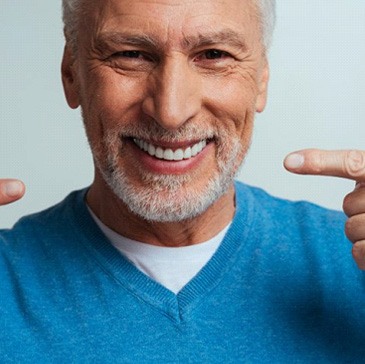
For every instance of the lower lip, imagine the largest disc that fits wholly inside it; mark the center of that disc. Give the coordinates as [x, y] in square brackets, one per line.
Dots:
[161, 166]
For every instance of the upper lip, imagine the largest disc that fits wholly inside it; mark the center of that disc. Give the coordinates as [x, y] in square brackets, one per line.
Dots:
[174, 145]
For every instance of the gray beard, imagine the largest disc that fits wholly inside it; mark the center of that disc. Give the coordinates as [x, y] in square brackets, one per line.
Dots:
[172, 198]
[166, 198]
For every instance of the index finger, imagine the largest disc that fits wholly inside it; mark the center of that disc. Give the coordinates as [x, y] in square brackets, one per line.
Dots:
[338, 163]
[10, 190]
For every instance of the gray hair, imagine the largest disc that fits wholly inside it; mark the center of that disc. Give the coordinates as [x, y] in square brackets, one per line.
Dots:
[267, 10]
[72, 12]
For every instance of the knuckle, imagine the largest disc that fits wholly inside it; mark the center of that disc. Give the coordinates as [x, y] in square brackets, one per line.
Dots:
[355, 227]
[347, 204]
[358, 254]
[315, 161]
[354, 163]
[349, 229]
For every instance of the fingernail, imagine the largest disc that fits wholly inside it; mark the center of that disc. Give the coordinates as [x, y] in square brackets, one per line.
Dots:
[13, 188]
[294, 161]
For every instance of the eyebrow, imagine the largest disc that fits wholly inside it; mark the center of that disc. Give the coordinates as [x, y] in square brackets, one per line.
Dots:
[226, 36]
[118, 38]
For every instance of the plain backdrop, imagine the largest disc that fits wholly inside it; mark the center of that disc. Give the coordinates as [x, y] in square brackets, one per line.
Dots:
[316, 99]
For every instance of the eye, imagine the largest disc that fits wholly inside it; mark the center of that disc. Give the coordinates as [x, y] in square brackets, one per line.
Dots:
[214, 54]
[131, 60]
[132, 54]
[128, 54]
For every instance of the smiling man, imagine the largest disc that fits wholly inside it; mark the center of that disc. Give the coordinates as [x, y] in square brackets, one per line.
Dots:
[168, 100]
[164, 258]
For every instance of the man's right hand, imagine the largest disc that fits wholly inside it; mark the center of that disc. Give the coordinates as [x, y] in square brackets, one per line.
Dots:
[11, 190]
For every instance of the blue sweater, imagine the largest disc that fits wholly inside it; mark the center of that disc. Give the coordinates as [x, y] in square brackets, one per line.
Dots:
[282, 288]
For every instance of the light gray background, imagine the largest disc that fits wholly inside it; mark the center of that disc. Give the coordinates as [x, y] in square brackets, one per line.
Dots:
[316, 99]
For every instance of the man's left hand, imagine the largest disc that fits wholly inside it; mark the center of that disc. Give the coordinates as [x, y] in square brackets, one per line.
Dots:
[346, 164]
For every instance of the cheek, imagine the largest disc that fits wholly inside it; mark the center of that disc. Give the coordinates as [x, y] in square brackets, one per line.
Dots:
[233, 102]
[110, 94]
[233, 107]
[108, 102]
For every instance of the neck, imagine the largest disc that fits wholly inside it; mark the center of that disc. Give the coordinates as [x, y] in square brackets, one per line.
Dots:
[116, 215]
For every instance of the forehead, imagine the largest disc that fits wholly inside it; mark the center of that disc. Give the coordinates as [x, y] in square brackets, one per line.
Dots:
[170, 20]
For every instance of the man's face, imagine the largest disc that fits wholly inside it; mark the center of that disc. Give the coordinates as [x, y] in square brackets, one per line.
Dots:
[168, 91]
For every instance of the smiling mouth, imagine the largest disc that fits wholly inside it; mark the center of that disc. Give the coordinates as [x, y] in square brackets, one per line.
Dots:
[171, 154]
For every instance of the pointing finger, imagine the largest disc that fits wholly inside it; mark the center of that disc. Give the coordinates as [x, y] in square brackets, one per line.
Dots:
[10, 190]
[338, 163]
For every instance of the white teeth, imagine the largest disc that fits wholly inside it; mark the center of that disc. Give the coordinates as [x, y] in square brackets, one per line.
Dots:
[159, 153]
[138, 142]
[187, 153]
[194, 150]
[145, 146]
[178, 155]
[169, 154]
[151, 150]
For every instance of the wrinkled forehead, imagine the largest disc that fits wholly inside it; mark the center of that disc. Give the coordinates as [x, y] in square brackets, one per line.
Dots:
[171, 19]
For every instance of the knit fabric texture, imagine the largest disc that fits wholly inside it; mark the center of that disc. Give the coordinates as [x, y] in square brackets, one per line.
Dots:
[281, 288]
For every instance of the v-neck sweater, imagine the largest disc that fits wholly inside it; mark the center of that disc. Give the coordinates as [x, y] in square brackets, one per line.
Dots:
[281, 287]
[172, 267]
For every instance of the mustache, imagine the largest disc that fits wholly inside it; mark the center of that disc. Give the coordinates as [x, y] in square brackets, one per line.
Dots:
[151, 130]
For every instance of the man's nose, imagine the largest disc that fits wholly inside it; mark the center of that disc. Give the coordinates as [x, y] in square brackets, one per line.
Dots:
[174, 95]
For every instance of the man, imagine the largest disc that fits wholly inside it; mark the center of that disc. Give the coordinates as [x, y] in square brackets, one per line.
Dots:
[164, 258]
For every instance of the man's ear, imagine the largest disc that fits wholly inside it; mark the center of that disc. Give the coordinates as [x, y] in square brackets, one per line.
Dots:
[69, 79]
[262, 88]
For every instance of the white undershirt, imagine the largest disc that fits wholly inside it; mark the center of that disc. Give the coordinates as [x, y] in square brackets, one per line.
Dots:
[171, 267]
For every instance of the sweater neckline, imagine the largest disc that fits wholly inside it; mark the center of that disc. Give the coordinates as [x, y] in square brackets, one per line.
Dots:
[128, 277]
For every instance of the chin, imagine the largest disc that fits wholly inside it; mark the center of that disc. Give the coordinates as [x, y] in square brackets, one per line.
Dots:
[167, 198]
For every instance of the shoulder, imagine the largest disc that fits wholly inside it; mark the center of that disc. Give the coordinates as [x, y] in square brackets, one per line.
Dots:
[280, 209]
[298, 236]
[51, 215]
[294, 226]
[31, 232]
